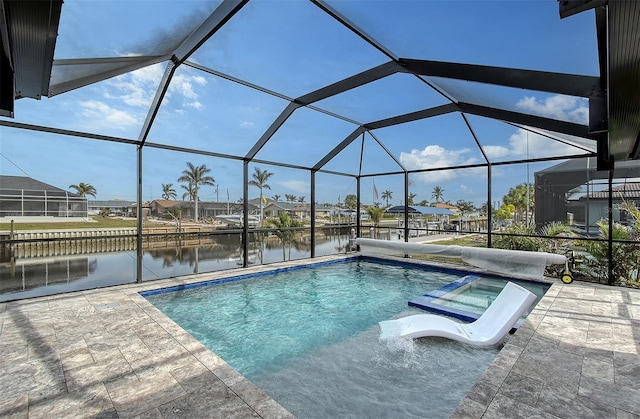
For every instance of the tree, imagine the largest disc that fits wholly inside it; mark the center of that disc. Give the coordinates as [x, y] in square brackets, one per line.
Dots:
[168, 192]
[484, 209]
[84, 189]
[517, 196]
[260, 178]
[196, 176]
[423, 203]
[438, 194]
[376, 214]
[410, 198]
[387, 195]
[301, 199]
[284, 231]
[465, 207]
[351, 201]
[276, 198]
[190, 192]
[506, 211]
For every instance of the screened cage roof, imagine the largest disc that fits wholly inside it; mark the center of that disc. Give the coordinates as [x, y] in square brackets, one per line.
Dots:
[254, 80]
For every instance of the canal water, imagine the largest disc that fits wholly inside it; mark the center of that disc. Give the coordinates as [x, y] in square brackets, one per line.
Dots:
[56, 267]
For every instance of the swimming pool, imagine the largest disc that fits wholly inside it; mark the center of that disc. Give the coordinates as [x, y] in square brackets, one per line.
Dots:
[468, 297]
[309, 338]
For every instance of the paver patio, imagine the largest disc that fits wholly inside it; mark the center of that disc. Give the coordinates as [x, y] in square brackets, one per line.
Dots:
[110, 353]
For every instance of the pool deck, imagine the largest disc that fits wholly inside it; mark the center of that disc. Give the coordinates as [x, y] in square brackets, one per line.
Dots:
[110, 354]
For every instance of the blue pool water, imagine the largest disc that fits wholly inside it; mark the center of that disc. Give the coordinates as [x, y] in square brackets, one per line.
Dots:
[309, 338]
[468, 297]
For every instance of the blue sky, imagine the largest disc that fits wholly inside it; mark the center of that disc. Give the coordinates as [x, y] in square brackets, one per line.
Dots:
[292, 47]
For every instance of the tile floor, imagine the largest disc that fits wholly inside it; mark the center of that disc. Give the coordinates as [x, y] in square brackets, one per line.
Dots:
[110, 354]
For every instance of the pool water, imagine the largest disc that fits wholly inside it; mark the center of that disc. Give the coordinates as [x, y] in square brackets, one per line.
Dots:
[310, 339]
[468, 297]
[478, 295]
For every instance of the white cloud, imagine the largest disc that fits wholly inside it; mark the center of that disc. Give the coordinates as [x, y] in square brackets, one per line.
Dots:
[246, 124]
[100, 113]
[435, 156]
[296, 186]
[524, 143]
[152, 73]
[495, 151]
[139, 87]
[562, 107]
[195, 105]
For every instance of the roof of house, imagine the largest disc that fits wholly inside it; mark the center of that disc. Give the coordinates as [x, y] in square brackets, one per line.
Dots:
[626, 191]
[416, 209]
[120, 203]
[287, 206]
[27, 183]
[164, 203]
[444, 205]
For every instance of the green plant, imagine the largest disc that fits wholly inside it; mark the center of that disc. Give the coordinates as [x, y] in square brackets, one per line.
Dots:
[284, 231]
[554, 237]
[516, 237]
[625, 261]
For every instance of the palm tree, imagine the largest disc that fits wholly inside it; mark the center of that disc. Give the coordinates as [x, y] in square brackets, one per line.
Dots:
[190, 192]
[290, 198]
[387, 195]
[518, 197]
[301, 199]
[410, 198]
[376, 214]
[168, 192]
[351, 201]
[260, 178]
[84, 189]
[437, 194]
[276, 198]
[284, 232]
[196, 176]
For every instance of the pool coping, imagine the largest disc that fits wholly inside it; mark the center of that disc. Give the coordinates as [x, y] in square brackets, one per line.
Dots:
[109, 352]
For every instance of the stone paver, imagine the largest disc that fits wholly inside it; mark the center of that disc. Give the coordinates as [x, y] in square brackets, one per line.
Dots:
[579, 358]
[110, 354]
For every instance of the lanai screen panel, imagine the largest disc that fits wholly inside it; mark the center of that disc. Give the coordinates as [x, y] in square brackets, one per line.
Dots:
[394, 95]
[205, 112]
[438, 142]
[291, 47]
[115, 107]
[511, 37]
[502, 142]
[116, 29]
[306, 135]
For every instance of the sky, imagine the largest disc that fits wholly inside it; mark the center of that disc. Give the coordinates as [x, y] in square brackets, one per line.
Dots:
[293, 48]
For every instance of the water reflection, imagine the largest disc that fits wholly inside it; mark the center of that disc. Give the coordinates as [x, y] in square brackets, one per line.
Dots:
[37, 269]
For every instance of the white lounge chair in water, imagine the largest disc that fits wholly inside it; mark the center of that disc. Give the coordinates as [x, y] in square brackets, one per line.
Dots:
[490, 328]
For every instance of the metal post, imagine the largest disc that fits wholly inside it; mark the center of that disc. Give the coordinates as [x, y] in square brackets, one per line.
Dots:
[358, 226]
[313, 213]
[406, 206]
[245, 214]
[139, 253]
[587, 205]
[489, 208]
[610, 241]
